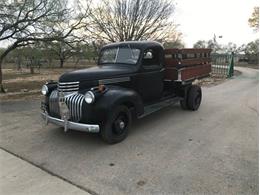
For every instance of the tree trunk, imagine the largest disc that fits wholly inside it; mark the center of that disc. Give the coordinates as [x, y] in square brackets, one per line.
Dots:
[31, 69]
[18, 62]
[61, 62]
[2, 56]
[2, 90]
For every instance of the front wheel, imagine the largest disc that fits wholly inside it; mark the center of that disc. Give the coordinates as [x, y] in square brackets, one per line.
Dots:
[117, 125]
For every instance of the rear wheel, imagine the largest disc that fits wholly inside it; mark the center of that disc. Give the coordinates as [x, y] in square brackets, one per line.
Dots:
[116, 127]
[194, 97]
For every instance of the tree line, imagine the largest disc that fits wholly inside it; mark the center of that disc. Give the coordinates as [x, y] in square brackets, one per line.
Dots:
[62, 27]
[250, 51]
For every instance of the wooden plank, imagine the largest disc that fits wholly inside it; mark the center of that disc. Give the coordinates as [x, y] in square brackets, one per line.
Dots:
[186, 57]
[171, 74]
[187, 50]
[186, 64]
[195, 72]
[195, 50]
[187, 73]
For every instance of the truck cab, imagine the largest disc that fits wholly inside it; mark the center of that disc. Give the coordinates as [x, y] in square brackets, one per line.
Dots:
[145, 62]
[131, 80]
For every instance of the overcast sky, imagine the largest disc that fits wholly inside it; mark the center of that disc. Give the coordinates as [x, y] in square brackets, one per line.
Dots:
[201, 19]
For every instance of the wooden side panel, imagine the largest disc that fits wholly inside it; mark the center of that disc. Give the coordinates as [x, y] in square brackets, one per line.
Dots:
[190, 62]
[187, 64]
[195, 72]
[186, 57]
[187, 73]
[171, 62]
[171, 73]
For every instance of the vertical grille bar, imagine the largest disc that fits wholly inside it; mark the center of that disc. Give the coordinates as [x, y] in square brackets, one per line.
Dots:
[73, 101]
[76, 106]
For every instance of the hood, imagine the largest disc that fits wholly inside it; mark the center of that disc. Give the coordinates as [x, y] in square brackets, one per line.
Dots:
[97, 73]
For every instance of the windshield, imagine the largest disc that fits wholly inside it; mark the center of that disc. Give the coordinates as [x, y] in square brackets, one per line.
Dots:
[119, 55]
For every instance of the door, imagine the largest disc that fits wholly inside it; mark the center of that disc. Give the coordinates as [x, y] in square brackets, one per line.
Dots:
[149, 80]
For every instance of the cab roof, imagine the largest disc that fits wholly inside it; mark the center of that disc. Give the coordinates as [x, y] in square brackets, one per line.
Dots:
[135, 44]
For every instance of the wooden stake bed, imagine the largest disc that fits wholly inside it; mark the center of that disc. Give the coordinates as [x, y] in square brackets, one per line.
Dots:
[187, 64]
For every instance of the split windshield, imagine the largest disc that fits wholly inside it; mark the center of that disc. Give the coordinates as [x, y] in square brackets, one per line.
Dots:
[119, 55]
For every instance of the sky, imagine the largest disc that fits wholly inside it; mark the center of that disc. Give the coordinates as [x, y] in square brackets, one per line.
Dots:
[201, 19]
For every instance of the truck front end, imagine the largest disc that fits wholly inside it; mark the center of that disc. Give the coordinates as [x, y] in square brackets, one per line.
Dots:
[63, 104]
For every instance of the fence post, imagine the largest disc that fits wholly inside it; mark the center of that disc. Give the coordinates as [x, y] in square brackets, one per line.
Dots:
[231, 66]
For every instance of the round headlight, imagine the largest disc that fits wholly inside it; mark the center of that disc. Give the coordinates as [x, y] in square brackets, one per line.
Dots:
[44, 89]
[89, 97]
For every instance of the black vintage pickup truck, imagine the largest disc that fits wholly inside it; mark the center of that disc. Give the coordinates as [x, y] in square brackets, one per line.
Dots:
[132, 79]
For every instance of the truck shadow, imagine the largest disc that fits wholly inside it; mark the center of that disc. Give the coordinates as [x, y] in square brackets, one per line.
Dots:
[158, 117]
[139, 127]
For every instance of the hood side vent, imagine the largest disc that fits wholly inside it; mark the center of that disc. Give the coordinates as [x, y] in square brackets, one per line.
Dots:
[68, 87]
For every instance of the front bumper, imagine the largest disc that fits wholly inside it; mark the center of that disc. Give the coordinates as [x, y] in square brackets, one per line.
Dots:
[70, 125]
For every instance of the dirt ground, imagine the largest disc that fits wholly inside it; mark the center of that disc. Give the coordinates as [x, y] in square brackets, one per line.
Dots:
[246, 65]
[24, 85]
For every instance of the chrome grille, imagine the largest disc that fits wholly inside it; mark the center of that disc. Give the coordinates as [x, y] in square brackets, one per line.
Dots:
[73, 101]
[68, 86]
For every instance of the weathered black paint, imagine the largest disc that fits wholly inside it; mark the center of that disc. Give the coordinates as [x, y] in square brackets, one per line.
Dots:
[97, 113]
[145, 83]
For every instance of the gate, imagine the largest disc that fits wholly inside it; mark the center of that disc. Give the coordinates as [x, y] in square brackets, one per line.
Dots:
[222, 65]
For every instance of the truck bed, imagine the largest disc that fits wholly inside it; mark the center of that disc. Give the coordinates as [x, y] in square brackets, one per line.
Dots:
[187, 64]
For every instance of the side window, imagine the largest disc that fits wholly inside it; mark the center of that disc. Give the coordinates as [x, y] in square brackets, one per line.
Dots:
[151, 57]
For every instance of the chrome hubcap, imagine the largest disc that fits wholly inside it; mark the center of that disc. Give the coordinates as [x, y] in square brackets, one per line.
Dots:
[121, 124]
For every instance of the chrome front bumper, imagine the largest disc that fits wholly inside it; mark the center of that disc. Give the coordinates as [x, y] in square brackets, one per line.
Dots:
[70, 125]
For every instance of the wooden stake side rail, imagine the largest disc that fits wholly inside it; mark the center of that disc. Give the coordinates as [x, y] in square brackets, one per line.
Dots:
[187, 64]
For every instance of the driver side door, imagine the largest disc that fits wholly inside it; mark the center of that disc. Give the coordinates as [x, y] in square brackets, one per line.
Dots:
[149, 80]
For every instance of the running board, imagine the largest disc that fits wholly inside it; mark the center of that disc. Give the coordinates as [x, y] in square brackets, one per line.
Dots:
[158, 106]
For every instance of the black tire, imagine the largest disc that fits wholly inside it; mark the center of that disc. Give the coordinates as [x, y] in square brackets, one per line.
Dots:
[117, 125]
[194, 97]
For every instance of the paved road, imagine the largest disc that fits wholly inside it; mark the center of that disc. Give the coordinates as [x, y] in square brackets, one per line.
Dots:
[213, 150]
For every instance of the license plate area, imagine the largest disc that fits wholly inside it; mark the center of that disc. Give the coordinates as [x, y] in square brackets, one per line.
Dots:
[64, 110]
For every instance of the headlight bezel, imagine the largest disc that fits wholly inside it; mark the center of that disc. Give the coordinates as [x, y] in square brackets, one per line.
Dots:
[89, 97]
[45, 90]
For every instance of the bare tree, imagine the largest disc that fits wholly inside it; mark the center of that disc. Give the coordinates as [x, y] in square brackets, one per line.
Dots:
[25, 22]
[122, 20]
[200, 44]
[67, 47]
[211, 44]
[253, 21]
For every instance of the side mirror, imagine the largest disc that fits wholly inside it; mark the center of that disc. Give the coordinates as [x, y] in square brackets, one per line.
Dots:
[148, 55]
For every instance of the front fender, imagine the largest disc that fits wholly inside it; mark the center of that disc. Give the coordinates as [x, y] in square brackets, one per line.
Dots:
[104, 105]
